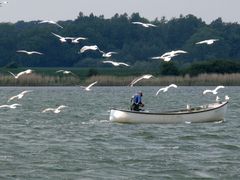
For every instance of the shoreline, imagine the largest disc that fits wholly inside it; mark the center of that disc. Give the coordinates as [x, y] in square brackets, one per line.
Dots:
[111, 80]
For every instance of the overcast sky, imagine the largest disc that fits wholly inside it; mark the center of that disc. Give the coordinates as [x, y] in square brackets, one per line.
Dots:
[208, 10]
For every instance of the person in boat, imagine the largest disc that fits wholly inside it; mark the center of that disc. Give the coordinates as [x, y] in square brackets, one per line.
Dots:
[136, 101]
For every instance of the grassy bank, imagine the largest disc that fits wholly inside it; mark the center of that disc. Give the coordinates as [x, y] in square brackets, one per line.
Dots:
[200, 80]
[36, 79]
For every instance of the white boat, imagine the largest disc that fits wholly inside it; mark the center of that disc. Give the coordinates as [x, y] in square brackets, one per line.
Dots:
[205, 113]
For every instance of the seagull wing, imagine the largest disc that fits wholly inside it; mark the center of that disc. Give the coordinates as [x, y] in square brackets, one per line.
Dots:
[13, 74]
[124, 64]
[58, 25]
[207, 91]
[201, 42]
[180, 51]
[22, 51]
[80, 38]
[36, 52]
[83, 49]
[48, 109]
[218, 87]
[111, 62]
[61, 107]
[11, 98]
[156, 57]
[89, 86]
[43, 21]
[4, 106]
[152, 25]
[134, 81]
[161, 89]
[57, 35]
[137, 23]
[173, 85]
[21, 73]
[13, 106]
[24, 92]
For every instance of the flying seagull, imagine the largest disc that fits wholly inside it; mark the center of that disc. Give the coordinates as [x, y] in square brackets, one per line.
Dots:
[65, 72]
[116, 63]
[3, 2]
[108, 54]
[19, 96]
[174, 53]
[78, 39]
[165, 89]
[214, 91]
[208, 41]
[86, 48]
[54, 110]
[89, 86]
[146, 76]
[169, 55]
[12, 106]
[63, 39]
[28, 71]
[29, 52]
[50, 22]
[144, 24]
[165, 58]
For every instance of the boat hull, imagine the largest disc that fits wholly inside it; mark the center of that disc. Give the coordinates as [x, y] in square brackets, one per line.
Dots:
[213, 112]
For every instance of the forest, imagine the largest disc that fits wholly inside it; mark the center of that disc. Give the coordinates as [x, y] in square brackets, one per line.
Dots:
[135, 44]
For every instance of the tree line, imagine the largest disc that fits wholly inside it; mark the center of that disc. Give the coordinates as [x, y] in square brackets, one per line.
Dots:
[134, 44]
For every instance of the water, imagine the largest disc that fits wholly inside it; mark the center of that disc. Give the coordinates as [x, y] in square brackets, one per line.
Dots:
[80, 142]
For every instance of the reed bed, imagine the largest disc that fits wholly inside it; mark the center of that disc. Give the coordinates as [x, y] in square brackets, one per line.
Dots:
[200, 80]
[38, 80]
[108, 80]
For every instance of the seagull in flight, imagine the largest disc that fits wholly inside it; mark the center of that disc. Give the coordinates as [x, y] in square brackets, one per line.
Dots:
[208, 41]
[214, 91]
[144, 24]
[78, 39]
[165, 58]
[65, 72]
[93, 48]
[108, 54]
[146, 76]
[54, 110]
[19, 96]
[63, 39]
[116, 63]
[29, 52]
[174, 53]
[3, 2]
[12, 106]
[165, 89]
[89, 86]
[28, 71]
[169, 55]
[50, 22]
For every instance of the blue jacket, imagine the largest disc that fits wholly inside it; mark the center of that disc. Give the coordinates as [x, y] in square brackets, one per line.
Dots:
[137, 99]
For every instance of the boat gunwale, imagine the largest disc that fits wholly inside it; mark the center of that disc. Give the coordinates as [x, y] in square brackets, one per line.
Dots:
[177, 112]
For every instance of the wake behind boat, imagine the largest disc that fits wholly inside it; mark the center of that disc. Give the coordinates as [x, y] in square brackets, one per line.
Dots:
[205, 113]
